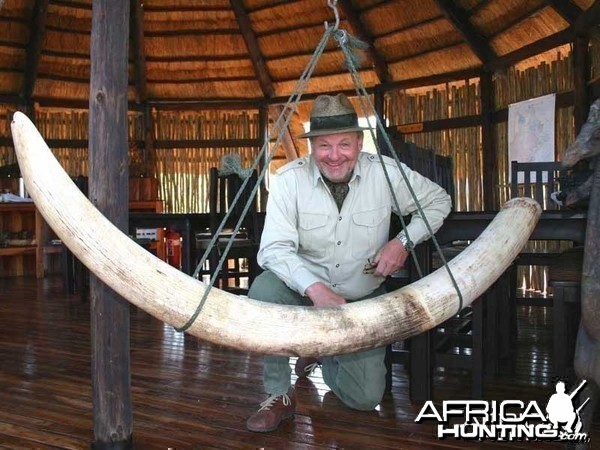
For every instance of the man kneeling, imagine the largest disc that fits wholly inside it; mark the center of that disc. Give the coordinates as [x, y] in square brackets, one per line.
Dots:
[326, 242]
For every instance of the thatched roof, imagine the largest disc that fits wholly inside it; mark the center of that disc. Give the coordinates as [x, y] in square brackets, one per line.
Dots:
[193, 50]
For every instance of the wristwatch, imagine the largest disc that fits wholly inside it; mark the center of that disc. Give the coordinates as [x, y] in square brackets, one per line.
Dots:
[408, 244]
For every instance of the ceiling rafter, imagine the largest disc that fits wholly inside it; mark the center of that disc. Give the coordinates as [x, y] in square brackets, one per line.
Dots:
[476, 41]
[567, 10]
[260, 67]
[138, 50]
[380, 66]
[37, 30]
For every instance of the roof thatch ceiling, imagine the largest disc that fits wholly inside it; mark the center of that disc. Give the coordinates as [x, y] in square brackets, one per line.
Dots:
[193, 50]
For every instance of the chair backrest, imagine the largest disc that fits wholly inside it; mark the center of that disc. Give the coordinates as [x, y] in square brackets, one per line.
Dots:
[222, 191]
[436, 167]
[540, 180]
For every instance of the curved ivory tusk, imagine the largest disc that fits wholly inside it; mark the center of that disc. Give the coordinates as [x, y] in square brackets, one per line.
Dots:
[245, 324]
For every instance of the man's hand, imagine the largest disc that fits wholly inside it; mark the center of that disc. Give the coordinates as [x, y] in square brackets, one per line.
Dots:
[322, 296]
[390, 258]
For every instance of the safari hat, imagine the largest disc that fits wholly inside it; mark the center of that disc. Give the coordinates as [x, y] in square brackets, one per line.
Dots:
[331, 115]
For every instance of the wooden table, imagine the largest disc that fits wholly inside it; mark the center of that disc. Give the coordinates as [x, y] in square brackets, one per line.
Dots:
[185, 224]
[466, 226]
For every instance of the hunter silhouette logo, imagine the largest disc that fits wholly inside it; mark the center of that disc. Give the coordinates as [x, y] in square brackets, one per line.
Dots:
[509, 420]
[561, 411]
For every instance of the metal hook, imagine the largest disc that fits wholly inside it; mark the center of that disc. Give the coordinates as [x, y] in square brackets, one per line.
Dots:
[333, 5]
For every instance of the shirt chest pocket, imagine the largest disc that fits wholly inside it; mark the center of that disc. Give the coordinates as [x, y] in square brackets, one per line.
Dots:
[370, 231]
[312, 233]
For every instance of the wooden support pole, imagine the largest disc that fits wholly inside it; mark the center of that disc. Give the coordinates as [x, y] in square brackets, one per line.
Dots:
[581, 69]
[490, 158]
[109, 177]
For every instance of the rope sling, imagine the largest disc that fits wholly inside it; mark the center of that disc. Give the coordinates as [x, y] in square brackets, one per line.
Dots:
[349, 45]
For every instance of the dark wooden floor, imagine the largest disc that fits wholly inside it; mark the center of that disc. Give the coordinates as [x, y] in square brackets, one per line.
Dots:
[188, 394]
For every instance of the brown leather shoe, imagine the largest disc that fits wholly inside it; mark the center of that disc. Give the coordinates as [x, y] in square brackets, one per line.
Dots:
[306, 366]
[271, 412]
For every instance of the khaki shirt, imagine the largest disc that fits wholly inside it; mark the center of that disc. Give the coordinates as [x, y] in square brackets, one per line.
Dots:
[306, 239]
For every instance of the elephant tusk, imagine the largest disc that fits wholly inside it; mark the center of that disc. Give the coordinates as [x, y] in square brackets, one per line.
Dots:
[250, 325]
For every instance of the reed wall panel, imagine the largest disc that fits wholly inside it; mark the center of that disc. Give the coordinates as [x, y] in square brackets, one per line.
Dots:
[183, 172]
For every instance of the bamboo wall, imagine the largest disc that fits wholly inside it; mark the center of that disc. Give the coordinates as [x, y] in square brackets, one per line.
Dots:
[465, 146]
[461, 99]
[183, 172]
[446, 101]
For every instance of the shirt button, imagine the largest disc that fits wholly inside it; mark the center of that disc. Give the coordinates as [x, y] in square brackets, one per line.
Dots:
[340, 218]
[337, 265]
[339, 242]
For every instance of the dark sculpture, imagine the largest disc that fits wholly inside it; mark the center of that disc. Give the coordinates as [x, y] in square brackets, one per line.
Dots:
[587, 350]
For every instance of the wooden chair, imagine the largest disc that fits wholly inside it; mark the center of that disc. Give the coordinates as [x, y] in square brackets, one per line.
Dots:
[240, 268]
[459, 342]
[540, 179]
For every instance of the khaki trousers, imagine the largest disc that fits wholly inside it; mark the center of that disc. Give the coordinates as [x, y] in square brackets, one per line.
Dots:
[358, 379]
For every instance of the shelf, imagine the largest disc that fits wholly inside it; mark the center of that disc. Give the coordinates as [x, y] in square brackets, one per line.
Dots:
[20, 250]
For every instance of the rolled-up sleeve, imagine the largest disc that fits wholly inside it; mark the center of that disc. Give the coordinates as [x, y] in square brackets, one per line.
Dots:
[279, 242]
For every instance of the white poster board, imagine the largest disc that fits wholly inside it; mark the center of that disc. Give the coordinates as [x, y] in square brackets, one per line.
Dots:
[531, 131]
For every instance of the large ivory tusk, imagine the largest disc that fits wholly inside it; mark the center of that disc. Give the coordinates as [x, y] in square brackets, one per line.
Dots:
[226, 319]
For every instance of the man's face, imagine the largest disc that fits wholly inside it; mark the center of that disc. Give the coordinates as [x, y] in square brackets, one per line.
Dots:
[336, 154]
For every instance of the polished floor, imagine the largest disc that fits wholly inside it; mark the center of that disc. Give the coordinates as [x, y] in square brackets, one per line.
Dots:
[191, 395]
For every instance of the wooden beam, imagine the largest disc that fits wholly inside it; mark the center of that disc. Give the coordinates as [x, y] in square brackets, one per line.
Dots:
[567, 10]
[194, 32]
[37, 30]
[200, 79]
[207, 143]
[535, 48]
[581, 69]
[380, 66]
[198, 58]
[490, 157]
[476, 41]
[222, 104]
[287, 141]
[437, 125]
[431, 80]
[109, 191]
[255, 54]
[138, 50]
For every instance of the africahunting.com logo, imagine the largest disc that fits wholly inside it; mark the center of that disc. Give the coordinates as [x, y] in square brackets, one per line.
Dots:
[509, 420]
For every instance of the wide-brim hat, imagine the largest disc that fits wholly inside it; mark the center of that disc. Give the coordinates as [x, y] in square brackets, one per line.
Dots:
[331, 115]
